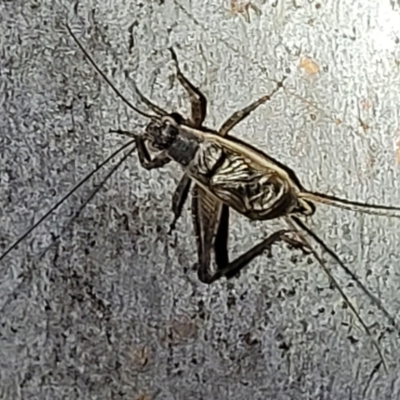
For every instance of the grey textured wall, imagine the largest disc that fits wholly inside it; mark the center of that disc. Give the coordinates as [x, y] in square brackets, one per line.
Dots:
[113, 310]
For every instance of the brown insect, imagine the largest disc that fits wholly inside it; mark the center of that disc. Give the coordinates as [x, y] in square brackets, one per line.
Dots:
[309, 66]
[242, 7]
[227, 173]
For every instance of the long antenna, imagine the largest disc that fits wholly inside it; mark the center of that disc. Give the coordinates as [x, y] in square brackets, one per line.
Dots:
[90, 197]
[55, 206]
[76, 214]
[104, 76]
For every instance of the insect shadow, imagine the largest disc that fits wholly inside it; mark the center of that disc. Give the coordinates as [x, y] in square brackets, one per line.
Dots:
[226, 173]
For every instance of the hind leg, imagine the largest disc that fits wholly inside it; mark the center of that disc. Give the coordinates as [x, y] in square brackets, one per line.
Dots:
[230, 269]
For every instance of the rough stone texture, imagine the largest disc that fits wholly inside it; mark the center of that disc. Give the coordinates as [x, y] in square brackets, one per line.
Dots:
[113, 309]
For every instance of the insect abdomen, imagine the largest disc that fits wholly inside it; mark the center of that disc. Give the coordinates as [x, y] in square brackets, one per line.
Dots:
[255, 193]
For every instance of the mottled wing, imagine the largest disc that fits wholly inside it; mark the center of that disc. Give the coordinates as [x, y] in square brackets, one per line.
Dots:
[243, 179]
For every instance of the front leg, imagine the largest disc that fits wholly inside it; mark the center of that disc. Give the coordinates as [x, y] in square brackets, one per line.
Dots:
[145, 159]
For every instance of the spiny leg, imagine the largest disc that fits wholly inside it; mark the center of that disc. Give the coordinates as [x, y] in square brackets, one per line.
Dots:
[203, 251]
[205, 222]
[197, 99]
[240, 115]
[212, 227]
[221, 248]
[198, 114]
[234, 267]
[221, 238]
[246, 258]
[179, 198]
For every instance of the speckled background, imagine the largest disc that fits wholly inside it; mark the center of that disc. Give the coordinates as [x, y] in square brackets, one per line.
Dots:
[113, 309]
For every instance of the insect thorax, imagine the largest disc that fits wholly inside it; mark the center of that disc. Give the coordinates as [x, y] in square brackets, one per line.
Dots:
[184, 148]
[170, 136]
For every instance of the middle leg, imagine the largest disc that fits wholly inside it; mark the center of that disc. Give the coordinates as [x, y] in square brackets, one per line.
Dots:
[197, 99]
[198, 114]
[240, 115]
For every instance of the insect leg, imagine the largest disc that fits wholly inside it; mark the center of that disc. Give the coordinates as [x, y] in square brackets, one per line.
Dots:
[212, 228]
[197, 98]
[199, 110]
[231, 269]
[144, 156]
[220, 212]
[240, 115]
[179, 198]
[221, 238]
[204, 224]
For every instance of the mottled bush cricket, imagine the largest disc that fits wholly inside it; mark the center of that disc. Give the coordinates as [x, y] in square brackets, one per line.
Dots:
[227, 173]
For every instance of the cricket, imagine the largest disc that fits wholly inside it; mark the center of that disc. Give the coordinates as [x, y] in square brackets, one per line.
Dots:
[222, 172]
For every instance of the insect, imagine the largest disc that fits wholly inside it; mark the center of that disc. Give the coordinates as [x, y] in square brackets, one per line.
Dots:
[227, 173]
[242, 7]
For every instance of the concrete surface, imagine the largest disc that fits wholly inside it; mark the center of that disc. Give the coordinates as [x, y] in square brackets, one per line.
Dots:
[113, 310]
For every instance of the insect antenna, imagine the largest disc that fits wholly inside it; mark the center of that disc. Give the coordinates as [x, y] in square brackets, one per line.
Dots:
[366, 208]
[155, 108]
[76, 214]
[90, 197]
[297, 223]
[64, 198]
